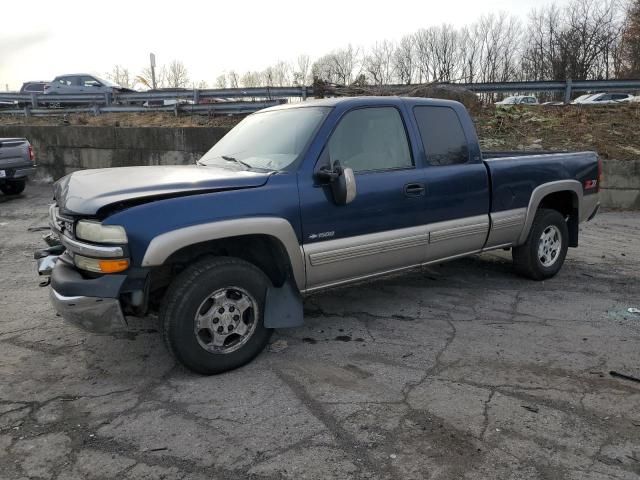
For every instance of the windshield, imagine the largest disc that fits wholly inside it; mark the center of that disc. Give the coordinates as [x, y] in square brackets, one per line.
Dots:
[270, 140]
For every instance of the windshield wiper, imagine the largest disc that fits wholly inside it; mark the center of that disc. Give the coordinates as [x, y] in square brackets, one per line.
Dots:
[229, 158]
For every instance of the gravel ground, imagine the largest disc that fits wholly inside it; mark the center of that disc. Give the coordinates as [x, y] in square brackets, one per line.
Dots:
[459, 371]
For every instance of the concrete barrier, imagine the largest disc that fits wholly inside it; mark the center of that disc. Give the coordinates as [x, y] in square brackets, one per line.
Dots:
[63, 149]
[621, 184]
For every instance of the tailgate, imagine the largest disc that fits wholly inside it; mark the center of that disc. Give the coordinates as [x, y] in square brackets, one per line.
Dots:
[14, 152]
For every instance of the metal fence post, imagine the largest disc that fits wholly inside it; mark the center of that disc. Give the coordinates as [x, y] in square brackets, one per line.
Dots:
[34, 100]
[196, 97]
[567, 92]
[107, 99]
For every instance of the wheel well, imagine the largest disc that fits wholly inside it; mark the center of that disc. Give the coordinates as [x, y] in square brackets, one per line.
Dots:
[565, 202]
[264, 251]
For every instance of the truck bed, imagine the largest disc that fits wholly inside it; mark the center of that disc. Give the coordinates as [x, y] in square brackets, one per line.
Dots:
[514, 175]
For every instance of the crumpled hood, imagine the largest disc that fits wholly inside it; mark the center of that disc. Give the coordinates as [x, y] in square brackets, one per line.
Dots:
[86, 191]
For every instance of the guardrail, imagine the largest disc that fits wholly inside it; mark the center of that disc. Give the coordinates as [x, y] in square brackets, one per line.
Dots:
[246, 100]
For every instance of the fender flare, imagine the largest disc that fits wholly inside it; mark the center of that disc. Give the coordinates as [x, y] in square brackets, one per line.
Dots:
[542, 191]
[162, 246]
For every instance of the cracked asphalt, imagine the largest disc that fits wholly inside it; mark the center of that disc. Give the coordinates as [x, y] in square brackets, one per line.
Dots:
[457, 371]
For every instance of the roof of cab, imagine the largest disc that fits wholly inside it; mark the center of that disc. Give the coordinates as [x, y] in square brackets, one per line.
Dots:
[364, 101]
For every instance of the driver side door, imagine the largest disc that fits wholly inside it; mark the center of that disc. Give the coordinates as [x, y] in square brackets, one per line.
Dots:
[382, 229]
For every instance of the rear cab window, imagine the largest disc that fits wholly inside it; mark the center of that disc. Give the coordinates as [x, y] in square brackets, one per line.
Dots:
[442, 135]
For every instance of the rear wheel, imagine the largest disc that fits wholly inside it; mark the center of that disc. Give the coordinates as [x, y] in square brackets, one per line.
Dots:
[213, 315]
[13, 187]
[546, 247]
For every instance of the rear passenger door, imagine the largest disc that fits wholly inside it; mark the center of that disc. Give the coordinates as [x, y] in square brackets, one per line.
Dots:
[457, 183]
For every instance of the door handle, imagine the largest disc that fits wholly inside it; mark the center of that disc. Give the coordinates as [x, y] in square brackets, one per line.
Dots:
[414, 189]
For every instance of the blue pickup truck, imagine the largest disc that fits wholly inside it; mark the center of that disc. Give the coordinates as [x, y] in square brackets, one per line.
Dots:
[295, 199]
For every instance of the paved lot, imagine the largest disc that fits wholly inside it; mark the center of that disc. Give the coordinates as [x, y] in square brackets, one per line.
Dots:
[460, 371]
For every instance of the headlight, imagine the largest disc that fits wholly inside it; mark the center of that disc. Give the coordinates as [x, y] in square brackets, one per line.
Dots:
[99, 233]
[100, 265]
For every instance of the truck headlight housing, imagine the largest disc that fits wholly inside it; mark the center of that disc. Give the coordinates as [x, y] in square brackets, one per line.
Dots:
[97, 232]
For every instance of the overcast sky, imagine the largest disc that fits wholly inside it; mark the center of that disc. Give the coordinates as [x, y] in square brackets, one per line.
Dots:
[51, 38]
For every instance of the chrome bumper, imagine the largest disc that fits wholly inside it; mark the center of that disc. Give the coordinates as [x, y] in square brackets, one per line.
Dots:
[99, 315]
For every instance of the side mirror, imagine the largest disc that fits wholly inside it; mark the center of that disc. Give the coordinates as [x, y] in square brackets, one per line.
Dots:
[342, 182]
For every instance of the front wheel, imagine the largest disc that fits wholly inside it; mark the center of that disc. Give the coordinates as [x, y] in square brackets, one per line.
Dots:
[213, 315]
[13, 187]
[546, 247]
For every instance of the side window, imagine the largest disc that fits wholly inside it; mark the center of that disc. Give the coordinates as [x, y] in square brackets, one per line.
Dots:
[90, 82]
[442, 135]
[371, 139]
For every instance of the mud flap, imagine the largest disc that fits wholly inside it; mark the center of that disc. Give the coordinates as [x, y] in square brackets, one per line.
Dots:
[283, 307]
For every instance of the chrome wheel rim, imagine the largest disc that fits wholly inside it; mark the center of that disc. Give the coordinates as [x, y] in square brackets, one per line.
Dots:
[549, 246]
[226, 320]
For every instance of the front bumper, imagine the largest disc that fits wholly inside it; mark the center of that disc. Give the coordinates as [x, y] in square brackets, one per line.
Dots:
[94, 314]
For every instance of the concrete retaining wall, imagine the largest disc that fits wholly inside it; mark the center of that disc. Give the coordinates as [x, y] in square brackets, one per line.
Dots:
[63, 149]
[621, 184]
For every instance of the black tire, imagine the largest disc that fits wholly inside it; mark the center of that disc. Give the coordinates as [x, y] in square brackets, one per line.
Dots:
[13, 187]
[188, 292]
[526, 258]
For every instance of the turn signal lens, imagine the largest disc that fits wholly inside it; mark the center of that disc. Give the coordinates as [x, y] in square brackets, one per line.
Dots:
[113, 266]
[99, 265]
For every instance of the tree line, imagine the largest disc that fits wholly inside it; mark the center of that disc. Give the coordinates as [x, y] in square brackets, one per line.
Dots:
[585, 39]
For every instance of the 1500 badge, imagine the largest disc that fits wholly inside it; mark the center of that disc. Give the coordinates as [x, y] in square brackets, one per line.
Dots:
[315, 236]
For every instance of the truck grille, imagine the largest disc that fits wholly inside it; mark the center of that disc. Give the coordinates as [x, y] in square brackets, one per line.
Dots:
[60, 224]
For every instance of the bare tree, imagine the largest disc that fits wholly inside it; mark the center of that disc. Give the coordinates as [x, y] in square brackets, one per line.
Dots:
[145, 78]
[378, 63]
[630, 45]
[234, 81]
[403, 60]
[201, 85]
[251, 79]
[341, 66]
[301, 71]
[580, 41]
[121, 76]
[221, 81]
[177, 75]
[282, 74]
[469, 53]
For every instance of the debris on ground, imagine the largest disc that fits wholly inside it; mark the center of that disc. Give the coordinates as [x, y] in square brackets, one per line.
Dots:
[530, 408]
[278, 346]
[624, 376]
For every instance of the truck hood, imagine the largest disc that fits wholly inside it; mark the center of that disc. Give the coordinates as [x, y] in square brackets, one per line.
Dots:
[85, 192]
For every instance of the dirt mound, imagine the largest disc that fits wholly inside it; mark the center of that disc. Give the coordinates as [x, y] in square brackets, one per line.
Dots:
[612, 131]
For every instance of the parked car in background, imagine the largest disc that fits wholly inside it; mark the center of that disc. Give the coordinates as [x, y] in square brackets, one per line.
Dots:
[632, 99]
[519, 100]
[16, 164]
[602, 98]
[82, 83]
[33, 86]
